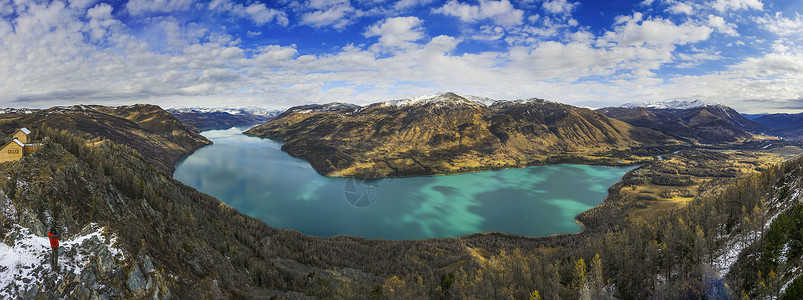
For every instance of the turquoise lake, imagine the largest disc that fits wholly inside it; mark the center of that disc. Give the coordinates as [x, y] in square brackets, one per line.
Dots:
[254, 176]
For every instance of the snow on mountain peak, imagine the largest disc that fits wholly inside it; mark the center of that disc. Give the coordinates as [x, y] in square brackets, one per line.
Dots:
[674, 104]
[441, 99]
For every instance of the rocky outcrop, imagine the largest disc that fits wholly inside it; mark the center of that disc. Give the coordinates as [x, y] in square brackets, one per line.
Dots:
[90, 267]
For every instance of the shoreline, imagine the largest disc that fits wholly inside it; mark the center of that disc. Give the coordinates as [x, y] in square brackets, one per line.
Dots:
[582, 228]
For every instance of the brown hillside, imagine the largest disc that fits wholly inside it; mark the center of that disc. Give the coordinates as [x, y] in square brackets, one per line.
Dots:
[153, 132]
[450, 134]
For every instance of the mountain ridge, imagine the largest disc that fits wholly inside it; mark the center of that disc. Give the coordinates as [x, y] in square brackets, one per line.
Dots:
[156, 134]
[216, 118]
[708, 124]
[672, 104]
[448, 133]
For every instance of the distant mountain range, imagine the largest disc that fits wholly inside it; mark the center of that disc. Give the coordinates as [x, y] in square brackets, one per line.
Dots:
[449, 133]
[694, 122]
[789, 126]
[674, 104]
[223, 117]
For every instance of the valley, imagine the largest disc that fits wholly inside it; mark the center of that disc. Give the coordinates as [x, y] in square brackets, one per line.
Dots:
[688, 222]
[254, 176]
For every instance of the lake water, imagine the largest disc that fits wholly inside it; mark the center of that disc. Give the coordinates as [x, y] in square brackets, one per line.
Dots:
[254, 176]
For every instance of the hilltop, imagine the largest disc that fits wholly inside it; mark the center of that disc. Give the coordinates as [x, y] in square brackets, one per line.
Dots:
[154, 133]
[448, 133]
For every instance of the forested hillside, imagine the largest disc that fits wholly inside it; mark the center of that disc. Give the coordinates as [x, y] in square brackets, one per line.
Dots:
[742, 242]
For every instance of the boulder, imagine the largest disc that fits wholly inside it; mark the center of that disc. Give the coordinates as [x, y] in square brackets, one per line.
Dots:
[136, 281]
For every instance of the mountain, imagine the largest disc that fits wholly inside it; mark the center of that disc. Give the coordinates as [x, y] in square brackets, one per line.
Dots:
[789, 126]
[130, 231]
[448, 133]
[154, 133]
[674, 104]
[706, 124]
[212, 118]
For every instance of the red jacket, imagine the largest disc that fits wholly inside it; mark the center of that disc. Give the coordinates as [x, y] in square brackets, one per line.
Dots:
[54, 239]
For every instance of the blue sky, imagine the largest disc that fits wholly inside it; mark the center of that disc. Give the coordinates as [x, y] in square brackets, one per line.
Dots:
[744, 53]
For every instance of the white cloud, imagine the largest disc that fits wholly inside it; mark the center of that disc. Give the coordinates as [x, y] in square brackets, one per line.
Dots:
[489, 33]
[695, 58]
[261, 14]
[559, 6]
[547, 28]
[328, 13]
[500, 12]
[405, 4]
[82, 4]
[336, 17]
[722, 26]
[726, 5]
[256, 12]
[140, 7]
[785, 27]
[632, 30]
[681, 8]
[397, 32]
[101, 21]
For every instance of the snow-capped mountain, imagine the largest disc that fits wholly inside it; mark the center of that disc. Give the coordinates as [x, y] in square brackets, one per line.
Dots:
[674, 104]
[441, 99]
[233, 110]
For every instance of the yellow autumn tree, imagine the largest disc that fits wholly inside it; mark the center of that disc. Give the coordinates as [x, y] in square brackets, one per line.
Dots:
[581, 279]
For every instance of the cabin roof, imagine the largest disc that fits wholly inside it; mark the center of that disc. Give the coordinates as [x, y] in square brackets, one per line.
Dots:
[25, 130]
[19, 143]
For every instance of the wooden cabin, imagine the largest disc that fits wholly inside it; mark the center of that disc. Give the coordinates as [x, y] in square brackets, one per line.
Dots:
[19, 146]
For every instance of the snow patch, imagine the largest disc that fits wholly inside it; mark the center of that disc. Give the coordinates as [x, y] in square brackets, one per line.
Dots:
[23, 264]
[724, 262]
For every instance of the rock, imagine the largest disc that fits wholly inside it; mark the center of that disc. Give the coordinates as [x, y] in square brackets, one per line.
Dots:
[147, 265]
[31, 293]
[149, 284]
[104, 261]
[81, 292]
[11, 238]
[30, 221]
[89, 277]
[136, 282]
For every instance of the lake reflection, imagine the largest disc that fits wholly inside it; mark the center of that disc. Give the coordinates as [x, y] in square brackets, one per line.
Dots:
[254, 176]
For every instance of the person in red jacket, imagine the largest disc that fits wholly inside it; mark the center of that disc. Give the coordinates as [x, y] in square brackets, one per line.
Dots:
[54, 245]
